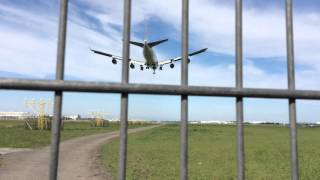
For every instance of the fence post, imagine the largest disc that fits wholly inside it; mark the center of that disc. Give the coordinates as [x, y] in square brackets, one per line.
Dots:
[56, 123]
[124, 96]
[291, 86]
[184, 98]
[239, 100]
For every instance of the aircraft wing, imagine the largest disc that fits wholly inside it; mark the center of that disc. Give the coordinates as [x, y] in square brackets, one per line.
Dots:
[115, 58]
[169, 61]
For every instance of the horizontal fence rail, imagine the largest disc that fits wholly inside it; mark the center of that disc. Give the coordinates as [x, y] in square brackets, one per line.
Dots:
[102, 87]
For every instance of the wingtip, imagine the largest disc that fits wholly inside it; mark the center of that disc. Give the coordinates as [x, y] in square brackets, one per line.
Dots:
[92, 50]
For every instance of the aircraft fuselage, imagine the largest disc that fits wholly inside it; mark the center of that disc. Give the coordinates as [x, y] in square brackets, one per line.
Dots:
[150, 56]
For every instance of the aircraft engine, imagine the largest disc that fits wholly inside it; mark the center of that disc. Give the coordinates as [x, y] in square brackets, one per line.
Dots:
[132, 66]
[172, 66]
[114, 61]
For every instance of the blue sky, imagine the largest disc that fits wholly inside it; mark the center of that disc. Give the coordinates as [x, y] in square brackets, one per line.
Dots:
[28, 32]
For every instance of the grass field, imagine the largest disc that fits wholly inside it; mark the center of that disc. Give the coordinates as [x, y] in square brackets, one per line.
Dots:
[154, 154]
[14, 134]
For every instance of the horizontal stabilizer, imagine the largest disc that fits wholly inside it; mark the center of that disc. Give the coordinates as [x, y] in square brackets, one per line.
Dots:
[152, 44]
[137, 43]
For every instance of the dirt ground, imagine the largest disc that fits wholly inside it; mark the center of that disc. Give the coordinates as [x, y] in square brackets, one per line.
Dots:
[79, 160]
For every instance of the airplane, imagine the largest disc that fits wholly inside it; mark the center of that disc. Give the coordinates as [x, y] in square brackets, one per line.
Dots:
[150, 59]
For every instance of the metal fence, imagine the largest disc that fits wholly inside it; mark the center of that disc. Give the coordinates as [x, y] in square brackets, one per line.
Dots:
[59, 86]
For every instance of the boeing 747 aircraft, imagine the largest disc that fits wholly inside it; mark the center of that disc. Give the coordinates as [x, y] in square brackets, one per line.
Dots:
[150, 59]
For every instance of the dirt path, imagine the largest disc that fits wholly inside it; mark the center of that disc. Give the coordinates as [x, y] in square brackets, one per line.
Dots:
[79, 159]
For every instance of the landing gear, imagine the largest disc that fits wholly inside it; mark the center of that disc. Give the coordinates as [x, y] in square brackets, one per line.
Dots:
[154, 69]
[114, 61]
[160, 68]
[141, 68]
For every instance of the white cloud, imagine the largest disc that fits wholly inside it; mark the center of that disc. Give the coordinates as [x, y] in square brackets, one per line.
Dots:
[212, 24]
[29, 41]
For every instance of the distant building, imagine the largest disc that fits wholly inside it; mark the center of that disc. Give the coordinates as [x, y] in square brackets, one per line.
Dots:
[211, 122]
[15, 115]
[72, 117]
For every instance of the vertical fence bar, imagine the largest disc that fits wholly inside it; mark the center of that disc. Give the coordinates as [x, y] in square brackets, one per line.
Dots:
[291, 86]
[124, 96]
[239, 100]
[56, 123]
[184, 98]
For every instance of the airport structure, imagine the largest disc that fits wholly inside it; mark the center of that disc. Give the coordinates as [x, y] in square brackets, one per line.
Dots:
[59, 85]
[72, 117]
[98, 120]
[15, 115]
[39, 107]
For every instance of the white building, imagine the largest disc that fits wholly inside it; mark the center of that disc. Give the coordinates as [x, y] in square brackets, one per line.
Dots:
[15, 115]
[216, 122]
[72, 117]
[213, 122]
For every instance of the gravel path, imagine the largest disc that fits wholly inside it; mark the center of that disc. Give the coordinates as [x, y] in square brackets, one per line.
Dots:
[79, 160]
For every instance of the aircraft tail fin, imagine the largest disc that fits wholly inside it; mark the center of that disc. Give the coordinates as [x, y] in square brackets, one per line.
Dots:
[137, 43]
[155, 43]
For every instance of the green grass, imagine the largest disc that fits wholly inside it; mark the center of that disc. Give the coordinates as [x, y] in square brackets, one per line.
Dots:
[14, 134]
[154, 154]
